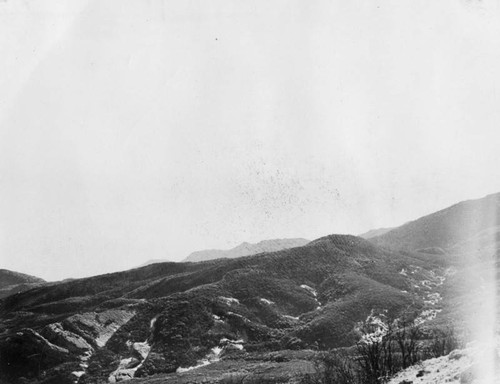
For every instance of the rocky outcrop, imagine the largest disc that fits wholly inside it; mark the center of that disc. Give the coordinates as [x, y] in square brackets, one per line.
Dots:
[65, 346]
[97, 328]
[29, 352]
[125, 371]
[56, 334]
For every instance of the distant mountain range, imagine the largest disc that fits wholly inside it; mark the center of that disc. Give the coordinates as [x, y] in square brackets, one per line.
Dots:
[154, 261]
[14, 282]
[375, 232]
[246, 249]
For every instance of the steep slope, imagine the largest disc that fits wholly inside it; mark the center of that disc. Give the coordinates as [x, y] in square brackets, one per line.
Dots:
[468, 234]
[460, 366]
[247, 249]
[14, 282]
[446, 228]
[169, 317]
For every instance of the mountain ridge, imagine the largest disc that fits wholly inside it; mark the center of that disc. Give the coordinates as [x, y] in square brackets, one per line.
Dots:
[9, 277]
[446, 227]
[375, 232]
[246, 249]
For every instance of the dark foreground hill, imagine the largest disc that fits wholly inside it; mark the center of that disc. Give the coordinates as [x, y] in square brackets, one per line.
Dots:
[14, 282]
[243, 315]
[247, 249]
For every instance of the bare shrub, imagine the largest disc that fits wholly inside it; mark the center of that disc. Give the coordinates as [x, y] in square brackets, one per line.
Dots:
[443, 341]
[233, 378]
[379, 354]
[333, 367]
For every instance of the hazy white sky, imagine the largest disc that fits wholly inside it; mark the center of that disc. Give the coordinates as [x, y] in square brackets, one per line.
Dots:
[133, 130]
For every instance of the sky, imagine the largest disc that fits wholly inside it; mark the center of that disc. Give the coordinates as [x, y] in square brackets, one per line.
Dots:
[145, 129]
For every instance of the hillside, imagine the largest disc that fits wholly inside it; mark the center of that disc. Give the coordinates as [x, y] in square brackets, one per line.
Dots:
[446, 228]
[14, 282]
[263, 318]
[246, 249]
[164, 318]
[460, 366]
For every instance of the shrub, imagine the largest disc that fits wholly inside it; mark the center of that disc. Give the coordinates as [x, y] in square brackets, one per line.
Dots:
[333, 367]
[378, 355]
[442, 342]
